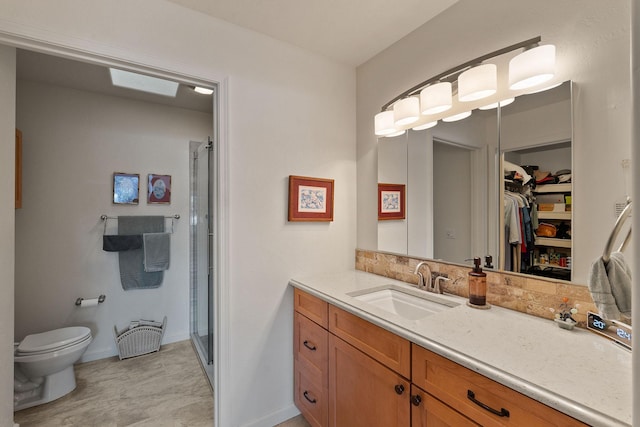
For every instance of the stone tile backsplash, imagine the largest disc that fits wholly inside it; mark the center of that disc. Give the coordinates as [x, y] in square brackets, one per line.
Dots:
[528, 294]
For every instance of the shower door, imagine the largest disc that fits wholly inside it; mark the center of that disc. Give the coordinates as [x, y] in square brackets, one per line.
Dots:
[202, 236]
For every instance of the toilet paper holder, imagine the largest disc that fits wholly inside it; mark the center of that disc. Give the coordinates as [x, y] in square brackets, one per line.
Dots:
[101, 299]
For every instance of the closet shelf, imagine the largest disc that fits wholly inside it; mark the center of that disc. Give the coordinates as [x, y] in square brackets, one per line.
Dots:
[549, 241]
[555, 215]
[554, 188]
[552, 266]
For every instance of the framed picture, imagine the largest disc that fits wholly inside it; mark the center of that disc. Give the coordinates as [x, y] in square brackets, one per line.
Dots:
[310, 199]
[391, 201]
[159, 189]
[126, 188]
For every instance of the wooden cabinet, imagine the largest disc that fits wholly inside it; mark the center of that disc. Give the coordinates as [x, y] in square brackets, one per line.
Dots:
[387, 348]
[362, 391]
[427, 411]
[351, 373]
[479, 398]
[311, 350]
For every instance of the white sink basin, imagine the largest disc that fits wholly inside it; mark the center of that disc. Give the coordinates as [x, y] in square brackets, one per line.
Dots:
[407, 303]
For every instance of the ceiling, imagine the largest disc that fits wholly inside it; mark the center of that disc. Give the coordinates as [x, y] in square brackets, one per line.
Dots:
[347, 31]
[48, 69]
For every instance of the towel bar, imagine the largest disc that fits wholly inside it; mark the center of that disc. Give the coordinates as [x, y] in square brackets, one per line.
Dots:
[626, 212]
[105, 218]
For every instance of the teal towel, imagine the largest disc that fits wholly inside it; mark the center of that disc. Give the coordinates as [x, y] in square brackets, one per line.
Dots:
[132, 274]
[156, 248]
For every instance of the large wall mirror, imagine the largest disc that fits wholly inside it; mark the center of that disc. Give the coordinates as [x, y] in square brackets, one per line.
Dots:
[455, 178]
[536, 140]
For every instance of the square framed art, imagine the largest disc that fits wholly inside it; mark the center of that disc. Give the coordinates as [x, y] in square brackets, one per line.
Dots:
[126, 188]
[159, 189]
[391, 201]
[310, 199]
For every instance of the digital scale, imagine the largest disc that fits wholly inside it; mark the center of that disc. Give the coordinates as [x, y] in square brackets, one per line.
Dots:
[612, 329]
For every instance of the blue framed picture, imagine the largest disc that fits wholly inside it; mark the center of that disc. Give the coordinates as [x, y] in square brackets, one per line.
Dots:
[126, 188]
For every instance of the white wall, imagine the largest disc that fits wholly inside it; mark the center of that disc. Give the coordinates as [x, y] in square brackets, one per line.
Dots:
[277, 103]
[73, 142]
[593, 41]
[7, 233]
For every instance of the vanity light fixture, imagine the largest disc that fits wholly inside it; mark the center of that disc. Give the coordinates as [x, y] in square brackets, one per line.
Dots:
[406, 111]
[457, 117]
[532, 67]
[473, 80]
[396, 133]
[425, 126]
[384, 123]
[502, 103]
[144, 83]
[478, 82]
[435, 98]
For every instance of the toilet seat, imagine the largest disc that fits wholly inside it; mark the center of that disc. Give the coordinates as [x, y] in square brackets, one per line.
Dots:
[57, 339]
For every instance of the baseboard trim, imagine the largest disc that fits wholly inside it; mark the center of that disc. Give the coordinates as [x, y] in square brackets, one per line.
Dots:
[275, 418]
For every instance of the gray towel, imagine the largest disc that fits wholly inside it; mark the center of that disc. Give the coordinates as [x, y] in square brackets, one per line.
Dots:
[116, 243]
[610, 287]
[156, 248]
[132, 274]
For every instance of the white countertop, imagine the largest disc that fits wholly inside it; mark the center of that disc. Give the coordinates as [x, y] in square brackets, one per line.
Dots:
[576, 372]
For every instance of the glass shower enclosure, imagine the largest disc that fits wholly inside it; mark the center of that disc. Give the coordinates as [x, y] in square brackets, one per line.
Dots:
[202, 247]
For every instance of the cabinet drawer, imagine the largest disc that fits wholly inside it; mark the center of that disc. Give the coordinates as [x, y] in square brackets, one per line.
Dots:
[454, 384]
[429, 411]
[387, 348]
[311, 398]
[311, 347]
[312, 307]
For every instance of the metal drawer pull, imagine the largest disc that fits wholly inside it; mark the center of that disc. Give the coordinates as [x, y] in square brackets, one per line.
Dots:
[472, 397]
[309, 346]
[306, 396]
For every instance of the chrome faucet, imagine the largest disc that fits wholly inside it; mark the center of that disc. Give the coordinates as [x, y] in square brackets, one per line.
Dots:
[422, 282]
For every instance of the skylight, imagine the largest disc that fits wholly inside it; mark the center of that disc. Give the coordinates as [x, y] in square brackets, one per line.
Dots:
[143, 83]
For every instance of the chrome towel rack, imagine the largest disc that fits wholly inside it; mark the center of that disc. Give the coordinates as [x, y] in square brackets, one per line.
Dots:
[105, 218]
[626, 212]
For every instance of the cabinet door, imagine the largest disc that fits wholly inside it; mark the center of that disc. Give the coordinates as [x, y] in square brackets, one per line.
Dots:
[427, 411]
[362, 392]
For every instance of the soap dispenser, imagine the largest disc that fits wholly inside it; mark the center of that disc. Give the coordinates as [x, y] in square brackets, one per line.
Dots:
[477, 286]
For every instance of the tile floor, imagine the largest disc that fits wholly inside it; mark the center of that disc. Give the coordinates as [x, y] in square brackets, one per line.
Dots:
[298, 421]
[161, 389]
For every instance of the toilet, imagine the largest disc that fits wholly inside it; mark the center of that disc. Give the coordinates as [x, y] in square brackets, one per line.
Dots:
[44, 365]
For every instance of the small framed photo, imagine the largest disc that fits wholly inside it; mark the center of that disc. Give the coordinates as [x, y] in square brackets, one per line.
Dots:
[391, 201]
[310, 199]
[126, 188]
[159, 189]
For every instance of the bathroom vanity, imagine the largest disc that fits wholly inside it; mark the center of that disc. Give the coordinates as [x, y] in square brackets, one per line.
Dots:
[360, 361]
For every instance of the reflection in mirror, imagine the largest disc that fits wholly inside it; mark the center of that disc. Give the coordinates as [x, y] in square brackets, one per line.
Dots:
[535, 142]
[451, 177]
